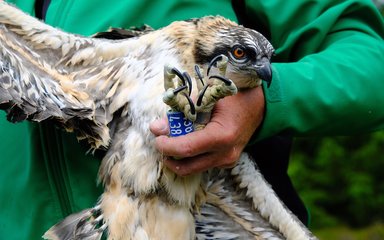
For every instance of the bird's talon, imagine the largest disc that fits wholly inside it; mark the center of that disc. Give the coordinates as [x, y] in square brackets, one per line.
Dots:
[201, 95]
[178, 73]
[209, 91]
[188, 79]
[199, 75]
[191, 104]
[179, 89]
[221, 63]
[169, 74]
[213, 62]
[172, 96]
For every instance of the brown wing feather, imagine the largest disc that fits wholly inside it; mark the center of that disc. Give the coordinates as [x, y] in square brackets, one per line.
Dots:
[49, 74]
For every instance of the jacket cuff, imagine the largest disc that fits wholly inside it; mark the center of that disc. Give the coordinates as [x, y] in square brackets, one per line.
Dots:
[275, 107]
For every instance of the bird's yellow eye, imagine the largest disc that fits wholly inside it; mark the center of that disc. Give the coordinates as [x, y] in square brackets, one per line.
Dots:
[238, 52]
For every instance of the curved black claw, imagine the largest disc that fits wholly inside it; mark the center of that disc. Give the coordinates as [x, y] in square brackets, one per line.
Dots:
[225, 80]
[198, 73]
[213, 62]
[184, 77]
[181, 88]
[201, 95]
[179, 74]
[193, 109]
[189, 81]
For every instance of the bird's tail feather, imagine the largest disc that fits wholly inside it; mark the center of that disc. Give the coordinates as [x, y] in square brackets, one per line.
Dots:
[229, 214]
[240, 204]
[266, 202]
[86, 225]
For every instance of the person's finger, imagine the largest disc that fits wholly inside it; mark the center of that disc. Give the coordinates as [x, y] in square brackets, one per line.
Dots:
[202, 162]
[187, 166]
[193, 144]
[159, 127]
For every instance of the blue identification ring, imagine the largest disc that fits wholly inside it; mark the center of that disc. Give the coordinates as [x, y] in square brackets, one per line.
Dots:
[178, 124]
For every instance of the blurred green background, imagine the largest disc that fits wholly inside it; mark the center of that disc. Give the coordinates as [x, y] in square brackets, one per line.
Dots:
[341, 181]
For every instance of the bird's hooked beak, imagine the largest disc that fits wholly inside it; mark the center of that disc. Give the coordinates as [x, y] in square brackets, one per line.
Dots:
[264, 70]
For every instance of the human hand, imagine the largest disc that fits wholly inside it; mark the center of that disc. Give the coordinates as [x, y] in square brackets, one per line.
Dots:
[220, 143]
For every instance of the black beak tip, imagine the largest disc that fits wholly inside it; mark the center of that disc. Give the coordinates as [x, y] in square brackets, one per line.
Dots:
[265, 73]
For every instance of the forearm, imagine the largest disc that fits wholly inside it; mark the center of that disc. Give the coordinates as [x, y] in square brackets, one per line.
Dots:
[328, 70]
[328, 93]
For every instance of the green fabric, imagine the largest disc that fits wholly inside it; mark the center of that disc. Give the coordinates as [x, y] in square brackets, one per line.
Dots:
[330, 49]
[88, 17]
[45, 173]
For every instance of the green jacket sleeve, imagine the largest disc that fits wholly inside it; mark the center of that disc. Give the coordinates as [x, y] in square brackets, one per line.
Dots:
[328, 72]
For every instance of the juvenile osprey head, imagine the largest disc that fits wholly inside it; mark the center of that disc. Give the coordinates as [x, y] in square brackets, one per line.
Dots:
[248, 51]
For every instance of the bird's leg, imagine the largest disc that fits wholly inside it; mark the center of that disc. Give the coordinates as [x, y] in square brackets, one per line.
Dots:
[212, 88]
[177, 95]
[216, 87]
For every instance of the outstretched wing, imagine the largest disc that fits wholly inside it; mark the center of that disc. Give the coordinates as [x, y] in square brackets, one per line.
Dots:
[46, 73]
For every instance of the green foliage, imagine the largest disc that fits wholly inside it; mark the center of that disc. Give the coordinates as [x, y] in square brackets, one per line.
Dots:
[373, 232]
[341, 179]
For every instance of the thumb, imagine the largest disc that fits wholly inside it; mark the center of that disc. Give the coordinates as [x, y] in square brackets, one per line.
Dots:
[159, 127]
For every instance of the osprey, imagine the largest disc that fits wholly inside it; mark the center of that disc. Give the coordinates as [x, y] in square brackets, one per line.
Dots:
[109, 91]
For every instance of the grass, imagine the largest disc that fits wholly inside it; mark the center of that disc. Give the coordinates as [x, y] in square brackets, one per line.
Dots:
[373, 232]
